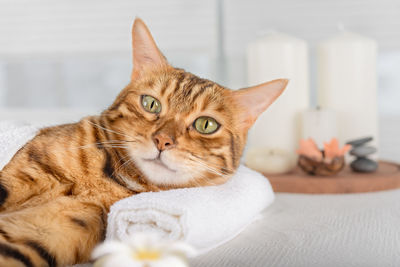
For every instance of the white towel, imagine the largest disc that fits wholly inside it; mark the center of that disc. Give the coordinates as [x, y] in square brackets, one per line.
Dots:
[204, 217]
[13, 135]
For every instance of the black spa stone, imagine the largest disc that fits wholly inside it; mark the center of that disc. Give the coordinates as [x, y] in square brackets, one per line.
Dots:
[364, 165]
[360, 141]
[362, 151]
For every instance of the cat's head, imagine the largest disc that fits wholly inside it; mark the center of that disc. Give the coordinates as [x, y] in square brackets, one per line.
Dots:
[185, 130]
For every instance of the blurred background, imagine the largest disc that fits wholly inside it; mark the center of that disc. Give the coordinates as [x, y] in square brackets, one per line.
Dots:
[62, 59]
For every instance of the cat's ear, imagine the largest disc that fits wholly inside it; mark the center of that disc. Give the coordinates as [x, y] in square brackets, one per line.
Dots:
[254, 100]
[146, 54]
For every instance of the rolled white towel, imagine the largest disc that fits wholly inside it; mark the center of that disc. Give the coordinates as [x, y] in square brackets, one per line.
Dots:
[203, 217]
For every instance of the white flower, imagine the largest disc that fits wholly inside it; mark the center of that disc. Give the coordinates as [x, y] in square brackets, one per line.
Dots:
[143, 250]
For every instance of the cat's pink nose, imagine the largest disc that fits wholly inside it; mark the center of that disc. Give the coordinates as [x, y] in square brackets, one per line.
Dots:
[163, 141]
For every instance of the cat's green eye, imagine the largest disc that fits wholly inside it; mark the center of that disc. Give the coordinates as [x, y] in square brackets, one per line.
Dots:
[206, 125]
[151, 104]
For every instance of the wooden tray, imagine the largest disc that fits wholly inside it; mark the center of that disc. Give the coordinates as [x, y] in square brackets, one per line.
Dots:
[386, 177]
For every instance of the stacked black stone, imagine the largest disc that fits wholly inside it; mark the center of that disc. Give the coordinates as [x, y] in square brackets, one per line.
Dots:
[361, 151]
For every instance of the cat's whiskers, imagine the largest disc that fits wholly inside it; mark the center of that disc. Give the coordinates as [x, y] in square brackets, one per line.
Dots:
[127, 156]
[208, 167]
[109, 130]
[200, 175]
[102, 145]
[122, 165]
[118, 141]
[110, 143]
[207, 164]
[212, 170]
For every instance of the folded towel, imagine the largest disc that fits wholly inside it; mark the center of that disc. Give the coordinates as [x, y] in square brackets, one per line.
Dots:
[204, 217]
[13, 135]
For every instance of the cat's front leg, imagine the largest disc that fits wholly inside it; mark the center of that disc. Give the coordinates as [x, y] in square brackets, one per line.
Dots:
[59, 233]
[22, 187]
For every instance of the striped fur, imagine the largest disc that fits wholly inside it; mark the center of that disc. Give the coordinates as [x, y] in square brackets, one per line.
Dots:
[56, 191]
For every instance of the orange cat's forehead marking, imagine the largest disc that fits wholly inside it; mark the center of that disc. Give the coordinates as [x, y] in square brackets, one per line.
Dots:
[183, 92]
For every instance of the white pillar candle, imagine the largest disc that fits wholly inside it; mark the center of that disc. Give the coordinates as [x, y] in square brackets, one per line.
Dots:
[320, 125]
[278, 55]
[270, 161]
[347, 84]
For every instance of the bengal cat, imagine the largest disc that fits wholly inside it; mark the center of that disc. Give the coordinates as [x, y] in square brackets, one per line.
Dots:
[167, 129]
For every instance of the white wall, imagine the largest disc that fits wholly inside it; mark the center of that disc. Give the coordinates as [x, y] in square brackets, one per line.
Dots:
[63, 26]
[312, 20]
[76, 53]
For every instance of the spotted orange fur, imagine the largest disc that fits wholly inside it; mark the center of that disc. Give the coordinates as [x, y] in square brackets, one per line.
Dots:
[56, 191]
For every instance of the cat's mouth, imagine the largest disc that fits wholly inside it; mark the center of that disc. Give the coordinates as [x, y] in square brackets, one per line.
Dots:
[158, 162]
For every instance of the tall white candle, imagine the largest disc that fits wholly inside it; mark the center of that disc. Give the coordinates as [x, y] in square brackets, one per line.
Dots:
[347, 84]
[320, 125]
[279, 55]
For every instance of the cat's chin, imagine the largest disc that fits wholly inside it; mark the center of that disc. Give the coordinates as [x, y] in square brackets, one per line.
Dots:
[158, 163]
[160, 173]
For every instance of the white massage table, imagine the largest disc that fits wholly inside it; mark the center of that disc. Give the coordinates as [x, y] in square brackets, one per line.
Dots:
[299, 230]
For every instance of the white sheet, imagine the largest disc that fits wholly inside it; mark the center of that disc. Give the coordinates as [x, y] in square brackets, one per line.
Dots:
[357, 230]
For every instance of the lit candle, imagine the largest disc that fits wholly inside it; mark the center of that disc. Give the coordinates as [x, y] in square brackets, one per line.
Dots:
[347, 84]
[278, 55]
[270, 161]
[320, 125]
